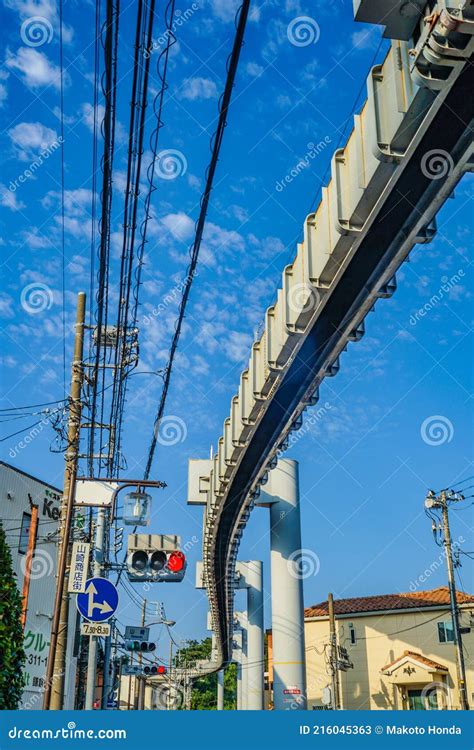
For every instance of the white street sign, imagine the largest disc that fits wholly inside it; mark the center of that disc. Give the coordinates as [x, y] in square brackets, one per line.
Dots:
[79, 565]
[92, 492]
[95, 628]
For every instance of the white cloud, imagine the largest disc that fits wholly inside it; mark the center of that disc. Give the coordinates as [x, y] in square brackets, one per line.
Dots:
[76, 202]
[3, 94]
[35, 240]
[77, 205]
[223, 239]
[194, 181]
[6, 306]
[87, 115]
[31, 137]
[40, 9]
[34, 67]
[179, 225]
[198, 88]
[255, 14]
[225, 10]
[29, 8]
[241, 214]
[254, 69]
[283, 101]
[8, 199]
[237, 346]
[364, 38]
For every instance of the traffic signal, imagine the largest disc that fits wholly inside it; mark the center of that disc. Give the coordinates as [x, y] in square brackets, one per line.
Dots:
[142, 646]
[154, 669]
[155, 557]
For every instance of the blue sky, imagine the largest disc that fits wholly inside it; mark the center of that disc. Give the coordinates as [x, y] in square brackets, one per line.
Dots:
[365, 466]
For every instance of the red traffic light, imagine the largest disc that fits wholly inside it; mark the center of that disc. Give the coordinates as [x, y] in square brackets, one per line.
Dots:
[161, 669]
[176, 562]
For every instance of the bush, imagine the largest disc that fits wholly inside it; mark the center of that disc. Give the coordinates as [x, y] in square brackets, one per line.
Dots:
[12, 655]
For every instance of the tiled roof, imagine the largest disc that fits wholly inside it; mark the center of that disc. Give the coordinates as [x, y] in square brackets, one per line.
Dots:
[386, 602]
[434, 665]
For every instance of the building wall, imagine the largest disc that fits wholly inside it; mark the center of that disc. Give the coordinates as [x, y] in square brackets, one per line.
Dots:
[15, 490]
[380, 639]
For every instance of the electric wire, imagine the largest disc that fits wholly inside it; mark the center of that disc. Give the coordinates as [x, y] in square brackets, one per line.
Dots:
[109, 85]
[123, 351]
[34, 406]
[63, 219]
[154, 138]
[216, 142]
[95, 106]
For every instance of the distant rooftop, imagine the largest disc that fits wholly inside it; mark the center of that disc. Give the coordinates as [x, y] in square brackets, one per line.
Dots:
[387, 602]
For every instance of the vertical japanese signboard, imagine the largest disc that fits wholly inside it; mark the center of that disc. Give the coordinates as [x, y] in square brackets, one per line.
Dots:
[79, 566]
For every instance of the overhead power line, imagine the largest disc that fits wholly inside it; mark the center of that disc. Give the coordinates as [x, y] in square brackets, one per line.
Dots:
[216, 142]
[125, 358]
[109, 89]
[34, 406]
[63, 242]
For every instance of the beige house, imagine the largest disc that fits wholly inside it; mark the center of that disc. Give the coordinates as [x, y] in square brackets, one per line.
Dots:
[401, 648]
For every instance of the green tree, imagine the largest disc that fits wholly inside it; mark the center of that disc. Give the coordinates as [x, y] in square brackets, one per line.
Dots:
[204, 693]
[12, 655]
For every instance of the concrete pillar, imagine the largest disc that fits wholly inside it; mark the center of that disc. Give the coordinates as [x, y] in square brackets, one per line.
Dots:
[220, 690]
[239, 686]
[252, 574]
[245, 671]
[281, 493]
[238, 656]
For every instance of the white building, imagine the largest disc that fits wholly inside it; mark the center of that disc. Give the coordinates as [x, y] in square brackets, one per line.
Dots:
[18, 492]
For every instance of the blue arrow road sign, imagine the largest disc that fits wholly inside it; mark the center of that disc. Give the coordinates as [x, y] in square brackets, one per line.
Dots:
[99, 600]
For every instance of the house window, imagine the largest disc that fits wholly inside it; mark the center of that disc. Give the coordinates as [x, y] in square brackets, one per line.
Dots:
[352, 636]
[445, 632]
[24, 533]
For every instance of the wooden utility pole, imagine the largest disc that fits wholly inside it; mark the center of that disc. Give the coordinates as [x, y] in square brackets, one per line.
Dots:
[333, 659]
[56, 667]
